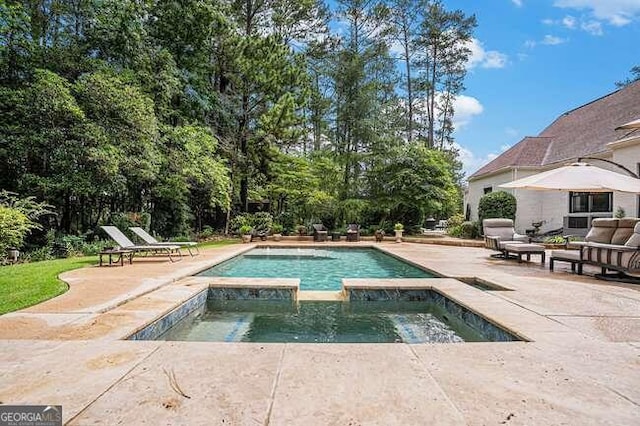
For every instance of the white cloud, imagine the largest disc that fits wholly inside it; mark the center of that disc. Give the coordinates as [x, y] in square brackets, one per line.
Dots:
[548, 39]
[588, 25]
[470, 161]
[517, 2]
[511, 132]
[485, 58]
[569, 22]
[615, 12]
[465, 108]
[592, 27]
[552, 40]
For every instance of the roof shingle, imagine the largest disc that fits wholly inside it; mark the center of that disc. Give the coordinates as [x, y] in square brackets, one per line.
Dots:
[580, 132]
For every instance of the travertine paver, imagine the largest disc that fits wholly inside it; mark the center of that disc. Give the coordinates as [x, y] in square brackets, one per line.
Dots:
[358, 384]
[193, 384]
[582, 368]
[71, 374]
[515, 384]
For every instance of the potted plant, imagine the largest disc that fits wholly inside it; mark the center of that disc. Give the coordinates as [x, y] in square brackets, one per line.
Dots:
[245, 231]
[276, 229]
[398, 227]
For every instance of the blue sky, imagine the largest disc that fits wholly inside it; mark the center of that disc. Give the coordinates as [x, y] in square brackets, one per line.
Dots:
[534, 60]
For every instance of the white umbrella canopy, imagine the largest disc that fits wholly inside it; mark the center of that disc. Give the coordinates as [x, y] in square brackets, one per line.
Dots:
[635, 124]
[577, 177]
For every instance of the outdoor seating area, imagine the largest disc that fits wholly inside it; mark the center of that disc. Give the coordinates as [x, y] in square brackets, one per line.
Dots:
[124, 243]
[575, 368]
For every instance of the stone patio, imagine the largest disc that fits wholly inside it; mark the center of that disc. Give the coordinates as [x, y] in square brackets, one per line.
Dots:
[581, 365]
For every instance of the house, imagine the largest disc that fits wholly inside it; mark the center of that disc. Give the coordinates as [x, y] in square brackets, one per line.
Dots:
[591, 130]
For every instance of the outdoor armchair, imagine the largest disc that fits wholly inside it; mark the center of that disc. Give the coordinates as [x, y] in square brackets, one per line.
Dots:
[319, 232]
[125, 243]
[353, 232]
[149, 239]
[500, 232]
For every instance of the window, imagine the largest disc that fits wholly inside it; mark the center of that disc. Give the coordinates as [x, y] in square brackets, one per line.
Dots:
[488, 189]
[578, 222]
[590, 202]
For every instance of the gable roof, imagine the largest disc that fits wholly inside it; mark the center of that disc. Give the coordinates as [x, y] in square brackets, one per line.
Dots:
[580, 132]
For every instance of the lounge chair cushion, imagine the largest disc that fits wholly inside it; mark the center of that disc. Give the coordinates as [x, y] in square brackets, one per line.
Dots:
[602, 229]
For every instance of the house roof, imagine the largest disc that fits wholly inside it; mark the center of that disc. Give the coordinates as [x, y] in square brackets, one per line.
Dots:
[580, 132]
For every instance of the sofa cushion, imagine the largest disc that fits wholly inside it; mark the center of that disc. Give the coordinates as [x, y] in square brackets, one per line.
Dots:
[624, 230]
[634, 240]
[602, 230]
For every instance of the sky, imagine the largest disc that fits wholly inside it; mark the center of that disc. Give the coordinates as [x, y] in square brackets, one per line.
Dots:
[534, 60]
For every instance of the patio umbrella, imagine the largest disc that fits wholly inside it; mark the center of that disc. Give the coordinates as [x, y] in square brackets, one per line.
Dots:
[635, 124]
[577, 177]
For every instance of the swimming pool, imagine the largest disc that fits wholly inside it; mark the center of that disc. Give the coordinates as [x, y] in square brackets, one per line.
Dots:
[321, 322]
[317, 268]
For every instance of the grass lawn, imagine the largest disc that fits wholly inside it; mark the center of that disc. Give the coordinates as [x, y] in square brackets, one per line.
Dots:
[27, 284]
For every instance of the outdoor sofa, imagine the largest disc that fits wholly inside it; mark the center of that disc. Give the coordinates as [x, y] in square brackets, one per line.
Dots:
[612, 244]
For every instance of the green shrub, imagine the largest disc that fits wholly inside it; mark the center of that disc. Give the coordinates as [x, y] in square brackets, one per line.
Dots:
[14, 227]
[244, 230]
[207, 232]
[497, 205]
[276, 228]
[124, 221]
[466, 230]
[470, 230]
[398, 227]
[260, 222]
[39, 254]
[455, 220]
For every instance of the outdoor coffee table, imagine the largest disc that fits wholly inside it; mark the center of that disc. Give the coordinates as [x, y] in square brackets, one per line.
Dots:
[116, 255]
[528, 249]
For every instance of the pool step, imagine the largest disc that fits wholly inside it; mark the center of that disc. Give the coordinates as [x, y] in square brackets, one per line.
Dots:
[321, 295]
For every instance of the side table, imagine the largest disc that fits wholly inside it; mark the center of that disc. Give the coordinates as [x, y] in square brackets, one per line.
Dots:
[116, 256]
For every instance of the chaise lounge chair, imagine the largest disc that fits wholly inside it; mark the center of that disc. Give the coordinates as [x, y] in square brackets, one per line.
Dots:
[319, 232]
[500, 232]
[125, 243]
[149, 239]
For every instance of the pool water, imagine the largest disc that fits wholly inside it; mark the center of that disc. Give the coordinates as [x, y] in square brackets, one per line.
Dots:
[317, 269]
[321, 322]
